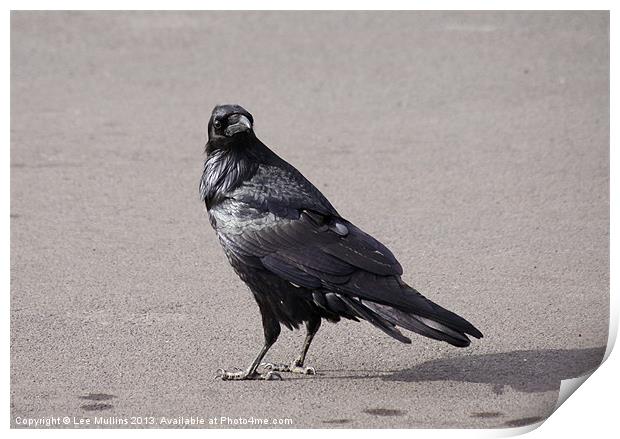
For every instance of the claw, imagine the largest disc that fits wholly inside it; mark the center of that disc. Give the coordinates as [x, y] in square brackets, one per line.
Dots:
[310, 371]
[219, 374]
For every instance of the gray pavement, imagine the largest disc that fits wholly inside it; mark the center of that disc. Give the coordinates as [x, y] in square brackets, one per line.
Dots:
[474, 145]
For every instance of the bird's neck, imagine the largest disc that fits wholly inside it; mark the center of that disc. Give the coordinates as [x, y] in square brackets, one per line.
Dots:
[224, 170]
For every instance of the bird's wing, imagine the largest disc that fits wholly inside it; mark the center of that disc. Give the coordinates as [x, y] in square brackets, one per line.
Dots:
[290, 225]
[313, 250]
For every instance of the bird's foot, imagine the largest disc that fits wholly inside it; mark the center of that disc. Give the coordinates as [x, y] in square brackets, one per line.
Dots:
[239, 375]
[294, 367]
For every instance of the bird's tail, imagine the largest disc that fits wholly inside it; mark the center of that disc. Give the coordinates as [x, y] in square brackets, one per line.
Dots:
[445, 326]
[416, 314]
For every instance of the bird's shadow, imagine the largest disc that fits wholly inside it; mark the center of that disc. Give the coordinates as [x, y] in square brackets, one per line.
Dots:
[529, 371]
[525, 371]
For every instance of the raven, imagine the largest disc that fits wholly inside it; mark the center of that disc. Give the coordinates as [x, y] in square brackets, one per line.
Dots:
[302, 261]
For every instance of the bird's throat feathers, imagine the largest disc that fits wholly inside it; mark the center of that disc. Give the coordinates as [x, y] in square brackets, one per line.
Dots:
[225, 170]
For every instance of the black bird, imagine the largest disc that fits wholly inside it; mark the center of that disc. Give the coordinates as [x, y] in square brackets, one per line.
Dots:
[302, 261]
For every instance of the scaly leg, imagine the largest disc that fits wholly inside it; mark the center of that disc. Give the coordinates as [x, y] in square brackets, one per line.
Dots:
[297, 366]
[271, 328]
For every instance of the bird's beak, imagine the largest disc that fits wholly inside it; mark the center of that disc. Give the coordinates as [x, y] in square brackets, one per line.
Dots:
[238, 123]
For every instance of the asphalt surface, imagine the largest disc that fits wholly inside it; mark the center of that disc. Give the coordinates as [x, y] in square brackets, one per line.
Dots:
[474, 145]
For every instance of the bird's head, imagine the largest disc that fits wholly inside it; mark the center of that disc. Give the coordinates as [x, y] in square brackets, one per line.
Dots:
[228, 124]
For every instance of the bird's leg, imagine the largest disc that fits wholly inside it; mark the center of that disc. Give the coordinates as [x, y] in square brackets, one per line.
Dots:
[272, 330]
[250, 373]
[312, 327]
[297, 365]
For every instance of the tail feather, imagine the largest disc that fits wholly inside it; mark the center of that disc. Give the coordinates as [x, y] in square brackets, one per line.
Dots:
[420, 325]
[437, 314]
[387, 326]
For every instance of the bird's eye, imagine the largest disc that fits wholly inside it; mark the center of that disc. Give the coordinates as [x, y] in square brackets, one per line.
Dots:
[217, 124]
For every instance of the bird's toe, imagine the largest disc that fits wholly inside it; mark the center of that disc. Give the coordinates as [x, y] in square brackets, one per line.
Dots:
[310, 371]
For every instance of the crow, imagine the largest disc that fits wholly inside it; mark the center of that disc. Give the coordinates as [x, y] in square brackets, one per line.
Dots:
[302, 261]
